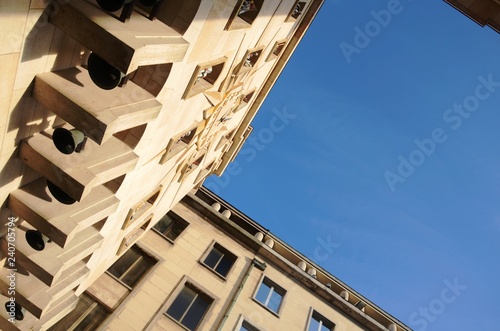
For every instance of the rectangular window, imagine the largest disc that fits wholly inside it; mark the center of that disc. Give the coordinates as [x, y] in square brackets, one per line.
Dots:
[319, 323]
[219, 260]
[297, 10]
[277, 49]
[189, 307]
[245, 326]
[180, 142]
[170, 226]
[270, 295]
[204, 77]
[87, 316]
[131, 266]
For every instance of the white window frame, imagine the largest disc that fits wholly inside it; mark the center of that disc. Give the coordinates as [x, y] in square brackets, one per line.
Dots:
[273, 286]
[312, 312]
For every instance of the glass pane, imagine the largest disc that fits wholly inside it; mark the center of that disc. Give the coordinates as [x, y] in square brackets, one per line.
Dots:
[275, 302]
[325, 328]
[175, 230]
[92, 321]
[247, 327]
[164, 224]
[124, 262]
[213, 257]
[224, 265]
[136, 272]
[196, 312]
[181, 303]
[313, 325]
[262, 293]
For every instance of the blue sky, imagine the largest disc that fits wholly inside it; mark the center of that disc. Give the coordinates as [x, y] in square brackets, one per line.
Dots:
[345, 166]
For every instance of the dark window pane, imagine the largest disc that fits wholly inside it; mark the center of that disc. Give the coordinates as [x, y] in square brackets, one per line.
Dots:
[224, 265]
[164, 224]
[196, 312]
[124, 262]
[86, 305]
[181, 303]
[175, 230]
[213, 257]
[136, 272]
[170, 225]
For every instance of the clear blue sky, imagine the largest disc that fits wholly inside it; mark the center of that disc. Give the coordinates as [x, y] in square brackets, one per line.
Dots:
[408, 222]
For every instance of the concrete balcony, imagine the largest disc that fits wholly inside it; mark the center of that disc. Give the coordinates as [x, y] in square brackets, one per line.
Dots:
[61, 223]
[78, 173]
[126, 46]
[98, 113]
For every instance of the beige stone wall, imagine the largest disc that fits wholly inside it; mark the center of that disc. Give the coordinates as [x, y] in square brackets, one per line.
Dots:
[182, 259]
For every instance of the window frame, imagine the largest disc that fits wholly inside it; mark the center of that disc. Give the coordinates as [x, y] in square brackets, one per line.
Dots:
[174, 294]
[242, 320]
[225, 252]
[94, 303]
[290, 17]
[143, 255]
[322, 318]
[237, 22]
[273, 285]
[176, 218]
[176, 144]
[279, 43]
[204, 84]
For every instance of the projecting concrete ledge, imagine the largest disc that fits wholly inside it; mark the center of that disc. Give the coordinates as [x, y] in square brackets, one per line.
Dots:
[125, 46]
[98, 113]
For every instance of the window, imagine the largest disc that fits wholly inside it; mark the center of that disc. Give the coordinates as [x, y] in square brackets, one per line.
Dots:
[180, 142]
[250, 59]
[87, 316]
[277, 49]
[219, 260]
[270, 295]
[297, 10]
[245, 326]
[319, 323]
[170, 226]
[244, 14]
[131, 266]
[204, 77]
[189, 307]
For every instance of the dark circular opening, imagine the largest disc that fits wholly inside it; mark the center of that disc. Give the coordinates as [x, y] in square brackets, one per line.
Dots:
[35, 240]
[111, 5]
[63, 140]
[18, 313]
[102, 73]
[59, 194]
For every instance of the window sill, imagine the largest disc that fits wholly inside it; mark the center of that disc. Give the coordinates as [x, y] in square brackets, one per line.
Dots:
[266, 308]
[213, 271]
[163, 236]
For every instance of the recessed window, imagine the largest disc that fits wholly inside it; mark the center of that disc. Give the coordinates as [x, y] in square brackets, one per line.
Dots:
[250, 59]
[270, 295]
[204, 77]
[131, 266]
[88, 315]
[297, 10]
[318, 322]
[179, 143]
[190, 166]
[277, 49]
[140, 209]
[244, 14]
[219, 259]
[189, 307]
[170, 226]
[245, 100]
[245, 326]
